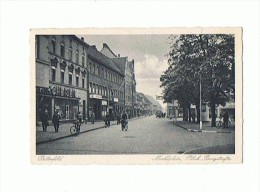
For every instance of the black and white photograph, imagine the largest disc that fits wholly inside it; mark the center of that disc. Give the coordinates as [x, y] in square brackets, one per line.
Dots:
[129, 95]
[137, 94]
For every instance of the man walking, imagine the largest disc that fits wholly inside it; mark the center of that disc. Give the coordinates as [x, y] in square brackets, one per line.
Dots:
[225, 119]
[44, 119]
[93, 117]
[56, 121]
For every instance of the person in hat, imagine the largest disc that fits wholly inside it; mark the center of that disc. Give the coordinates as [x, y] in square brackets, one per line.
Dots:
[56, 120]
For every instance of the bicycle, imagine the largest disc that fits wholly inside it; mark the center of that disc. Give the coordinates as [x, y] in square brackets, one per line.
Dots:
[75, 129]
[219, 123]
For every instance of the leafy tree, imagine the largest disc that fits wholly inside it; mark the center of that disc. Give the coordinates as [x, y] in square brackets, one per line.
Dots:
[206, 59]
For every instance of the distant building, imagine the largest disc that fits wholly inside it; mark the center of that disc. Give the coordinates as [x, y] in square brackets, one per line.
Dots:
[106, 90]
[127, 68]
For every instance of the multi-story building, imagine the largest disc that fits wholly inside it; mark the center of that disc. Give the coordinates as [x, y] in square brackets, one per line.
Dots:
[73, 76]
[61, 75]
[106, 90]
[127, 68]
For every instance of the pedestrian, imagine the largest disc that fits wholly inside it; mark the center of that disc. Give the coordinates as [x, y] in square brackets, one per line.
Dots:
[56, 121]
[44, 118]
[107, 120]
[193, 116]
[118, 119]
[93, 117]
[225, 119]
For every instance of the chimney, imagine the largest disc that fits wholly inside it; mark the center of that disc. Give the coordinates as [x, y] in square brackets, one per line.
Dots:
[118, 55]
[82, 38]
[133, 61]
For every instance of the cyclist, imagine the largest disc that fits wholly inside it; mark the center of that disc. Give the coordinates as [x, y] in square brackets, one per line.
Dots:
[124, 123]
[77, 125]
[79, 117]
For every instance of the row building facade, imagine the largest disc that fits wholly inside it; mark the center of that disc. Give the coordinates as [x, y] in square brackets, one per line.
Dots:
[72, 76]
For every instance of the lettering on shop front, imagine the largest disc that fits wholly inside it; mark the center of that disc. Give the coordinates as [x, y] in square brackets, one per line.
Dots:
[56, 91]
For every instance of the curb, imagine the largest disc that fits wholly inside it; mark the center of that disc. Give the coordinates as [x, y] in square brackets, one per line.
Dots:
[201, 131]
[69, 135]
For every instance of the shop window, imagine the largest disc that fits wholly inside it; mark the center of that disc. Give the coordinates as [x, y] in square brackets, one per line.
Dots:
[53, 74]
[53, 43]
[70, 78]
[77, 81]
[62, 76]
[83, 82]
[62, 50]
[70, 53]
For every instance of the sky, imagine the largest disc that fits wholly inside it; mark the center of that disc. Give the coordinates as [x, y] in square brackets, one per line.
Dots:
[148, 51]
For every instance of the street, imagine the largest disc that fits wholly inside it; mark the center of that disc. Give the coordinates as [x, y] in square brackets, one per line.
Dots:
[147, 135]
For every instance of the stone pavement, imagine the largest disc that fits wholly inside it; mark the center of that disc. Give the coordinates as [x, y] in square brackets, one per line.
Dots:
[64, 130]
[206, 127]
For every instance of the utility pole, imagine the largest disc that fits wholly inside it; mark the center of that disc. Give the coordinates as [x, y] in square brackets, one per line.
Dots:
[200, 101]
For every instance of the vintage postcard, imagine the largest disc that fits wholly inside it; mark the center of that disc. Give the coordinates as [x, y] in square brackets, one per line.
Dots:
[136, 96]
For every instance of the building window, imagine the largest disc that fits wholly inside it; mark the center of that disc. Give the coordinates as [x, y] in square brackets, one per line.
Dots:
[90, 87]
[93, 69]
[77, 57]
[70, 54]
[53, 73]
[83, 82]
[97, 70]
[94, 88]
[105, 74]
[70, 78]
[83, 60]
[89, 67]
[62, 50]
[77, 80]
[62, 76]
[53, 43]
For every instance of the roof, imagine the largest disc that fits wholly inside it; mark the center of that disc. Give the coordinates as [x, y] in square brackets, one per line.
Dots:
[99, 57]
[120, 62]
[106, 46]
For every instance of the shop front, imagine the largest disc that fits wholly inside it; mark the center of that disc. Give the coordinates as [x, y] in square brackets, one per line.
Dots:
[95, 106]
[57, 98]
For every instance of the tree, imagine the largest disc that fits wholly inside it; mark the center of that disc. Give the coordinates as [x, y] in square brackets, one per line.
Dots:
[194, 59]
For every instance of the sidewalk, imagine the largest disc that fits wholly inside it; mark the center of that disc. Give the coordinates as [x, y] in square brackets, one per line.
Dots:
[64, 130]
[206, 127]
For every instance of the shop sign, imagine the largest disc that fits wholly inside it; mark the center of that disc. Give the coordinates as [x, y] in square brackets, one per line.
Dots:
[115, 99]
[104, 102]
[94, 96]
[56, 91]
